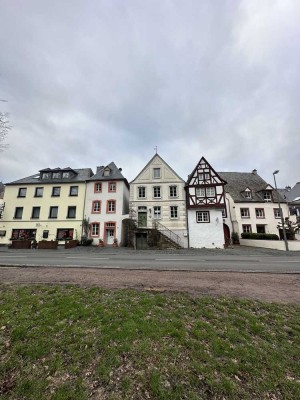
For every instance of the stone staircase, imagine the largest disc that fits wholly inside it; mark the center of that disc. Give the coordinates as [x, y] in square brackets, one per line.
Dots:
[164, 238]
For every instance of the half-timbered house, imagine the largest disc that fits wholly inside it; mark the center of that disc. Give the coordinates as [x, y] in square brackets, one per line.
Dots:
[206, 207]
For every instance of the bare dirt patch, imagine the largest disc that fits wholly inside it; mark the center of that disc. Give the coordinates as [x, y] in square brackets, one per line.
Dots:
[280, 288]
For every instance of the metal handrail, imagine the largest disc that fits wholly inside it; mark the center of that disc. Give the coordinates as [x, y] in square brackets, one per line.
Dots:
[167, 232]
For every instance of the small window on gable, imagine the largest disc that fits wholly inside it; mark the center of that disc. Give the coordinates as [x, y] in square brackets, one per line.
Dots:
[156, 173]
[206, 176]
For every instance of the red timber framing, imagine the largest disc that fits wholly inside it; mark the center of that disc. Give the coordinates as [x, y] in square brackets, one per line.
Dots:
[205, 188]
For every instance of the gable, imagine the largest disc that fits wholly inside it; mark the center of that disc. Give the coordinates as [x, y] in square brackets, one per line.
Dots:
[204, 174]
[148, 174]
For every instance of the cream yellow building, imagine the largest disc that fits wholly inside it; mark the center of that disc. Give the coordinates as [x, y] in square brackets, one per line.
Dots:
[48, 205]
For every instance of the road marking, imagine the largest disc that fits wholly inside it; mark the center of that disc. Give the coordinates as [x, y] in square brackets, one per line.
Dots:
[174, 259]
[89, 258]
[284, 261]
[13, 256]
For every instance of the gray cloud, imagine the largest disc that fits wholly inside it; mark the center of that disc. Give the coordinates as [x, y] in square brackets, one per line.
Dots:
[88, 82]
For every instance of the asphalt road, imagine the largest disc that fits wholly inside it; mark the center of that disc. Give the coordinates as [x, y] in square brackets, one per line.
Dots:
[241, 260]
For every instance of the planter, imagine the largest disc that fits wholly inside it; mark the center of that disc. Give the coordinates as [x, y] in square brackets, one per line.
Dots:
[48, 244]
[20, 244]
[70, 244]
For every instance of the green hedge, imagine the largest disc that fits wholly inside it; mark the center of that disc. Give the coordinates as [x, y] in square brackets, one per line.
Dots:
[260, 236]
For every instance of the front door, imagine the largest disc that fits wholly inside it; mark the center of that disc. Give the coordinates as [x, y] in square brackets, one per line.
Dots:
[142, 219]
[110, 235]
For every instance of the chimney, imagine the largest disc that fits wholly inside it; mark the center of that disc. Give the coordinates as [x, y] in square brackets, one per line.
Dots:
[99, 168]
[120, 169]
[254, 172]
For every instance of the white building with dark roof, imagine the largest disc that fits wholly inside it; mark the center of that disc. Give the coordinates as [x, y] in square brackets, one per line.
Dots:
[107, 204]
[252, 203]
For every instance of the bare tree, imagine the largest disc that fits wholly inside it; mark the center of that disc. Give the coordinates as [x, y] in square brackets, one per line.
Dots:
[4, 129]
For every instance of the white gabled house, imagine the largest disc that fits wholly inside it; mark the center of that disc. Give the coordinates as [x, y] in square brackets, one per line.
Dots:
[157, 201]
[206, 208]
[106, 204]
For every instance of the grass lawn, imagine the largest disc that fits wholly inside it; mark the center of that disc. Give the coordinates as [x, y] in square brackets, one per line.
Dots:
[66, 342]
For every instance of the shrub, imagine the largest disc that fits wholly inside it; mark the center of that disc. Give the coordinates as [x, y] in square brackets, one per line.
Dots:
[260, 236]
[235, 238]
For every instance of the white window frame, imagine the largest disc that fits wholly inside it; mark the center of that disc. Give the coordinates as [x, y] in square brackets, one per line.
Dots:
[200, 192]
[202, 217]
[156, 173]
[247, 228]
[210, 192]
[173, 212]
[156, 189]
[140, 190]
[173, 192]
[267, 197]
[157, 212]
[277, 213]
[95, 229]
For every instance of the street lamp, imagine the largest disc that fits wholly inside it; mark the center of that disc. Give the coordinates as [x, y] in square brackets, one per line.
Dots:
[281, 214]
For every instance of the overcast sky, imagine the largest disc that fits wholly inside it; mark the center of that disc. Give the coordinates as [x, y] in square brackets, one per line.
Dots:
[88, 82]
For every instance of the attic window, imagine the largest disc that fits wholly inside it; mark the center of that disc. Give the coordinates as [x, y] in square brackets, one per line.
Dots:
[106, 172]
[66, 175]
[46, 175]
[248, 195]
[56, 175]
[267, 196]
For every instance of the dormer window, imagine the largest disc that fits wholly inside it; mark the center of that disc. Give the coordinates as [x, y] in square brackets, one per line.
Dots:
[46, 175]
[267, 196]
[56, 175]
[106, 172]
[248, 195]
[66, 175]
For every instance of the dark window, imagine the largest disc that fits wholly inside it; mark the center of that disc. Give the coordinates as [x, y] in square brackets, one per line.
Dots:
[56, 191]
[74, 191]
[22, 192]
[23, 234]
[247, 229]
[36, 212]
[260, 229]
[173, 212]
[45, 234]
[64, 234]
[71, 212]
[156, 192]
[18, 212]
[53, 212]
[173, 191]
[142, 192]
[39, 192]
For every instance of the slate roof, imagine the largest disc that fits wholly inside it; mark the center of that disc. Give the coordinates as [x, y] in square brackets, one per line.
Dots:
[237, 182]
[292, 195]
[115, 174]
[82, 175]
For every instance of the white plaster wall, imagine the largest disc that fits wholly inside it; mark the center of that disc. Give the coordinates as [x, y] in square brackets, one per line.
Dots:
[269, 221]
[121, 196]
[294, 245]
[210, 235]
